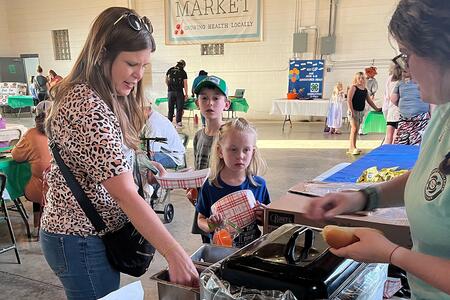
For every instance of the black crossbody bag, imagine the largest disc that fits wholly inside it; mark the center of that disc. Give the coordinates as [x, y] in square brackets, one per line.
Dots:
[127, 250]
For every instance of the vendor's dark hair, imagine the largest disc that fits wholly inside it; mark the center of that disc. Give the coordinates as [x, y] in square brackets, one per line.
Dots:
[423, 26]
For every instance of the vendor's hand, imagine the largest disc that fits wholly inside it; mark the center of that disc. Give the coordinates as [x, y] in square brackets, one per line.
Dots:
[186, 97]
[214, 221]
[333, 204]
[372, 247]
[259, 212]
[181, 269]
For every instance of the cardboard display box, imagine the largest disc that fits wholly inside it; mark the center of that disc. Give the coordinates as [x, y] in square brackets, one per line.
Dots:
[291, 208]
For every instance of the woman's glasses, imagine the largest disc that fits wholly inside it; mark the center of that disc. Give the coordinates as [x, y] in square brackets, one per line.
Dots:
[402, 61]
[135, 22]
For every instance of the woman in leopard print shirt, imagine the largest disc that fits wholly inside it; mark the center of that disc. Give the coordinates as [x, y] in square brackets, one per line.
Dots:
[95, 120]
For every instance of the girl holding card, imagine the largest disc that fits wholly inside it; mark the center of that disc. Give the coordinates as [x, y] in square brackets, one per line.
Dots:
[235, 163]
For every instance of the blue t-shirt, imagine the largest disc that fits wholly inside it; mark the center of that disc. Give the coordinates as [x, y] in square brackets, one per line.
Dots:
[410, 104]
[210, 194]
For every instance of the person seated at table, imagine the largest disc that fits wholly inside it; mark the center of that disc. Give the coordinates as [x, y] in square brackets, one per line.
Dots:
[357, 97]
[170, 153]
[414, 113]
[33, 148]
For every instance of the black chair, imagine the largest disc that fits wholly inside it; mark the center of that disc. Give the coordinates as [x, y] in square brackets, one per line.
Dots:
[4, 208]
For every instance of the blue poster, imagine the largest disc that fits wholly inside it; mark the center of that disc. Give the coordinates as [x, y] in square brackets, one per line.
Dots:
[306, 78]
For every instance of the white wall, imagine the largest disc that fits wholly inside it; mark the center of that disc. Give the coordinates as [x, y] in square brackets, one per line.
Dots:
[259, 67]
[4, 31]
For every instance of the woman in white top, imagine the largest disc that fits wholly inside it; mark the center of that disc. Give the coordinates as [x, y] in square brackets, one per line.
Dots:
[390, 110]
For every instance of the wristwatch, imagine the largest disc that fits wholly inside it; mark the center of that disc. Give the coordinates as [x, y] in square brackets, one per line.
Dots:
[372, 198]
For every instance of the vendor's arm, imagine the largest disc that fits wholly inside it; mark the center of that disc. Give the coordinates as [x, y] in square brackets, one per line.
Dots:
[431, 269]
[375, 247]
[122, 189]
[390, 193]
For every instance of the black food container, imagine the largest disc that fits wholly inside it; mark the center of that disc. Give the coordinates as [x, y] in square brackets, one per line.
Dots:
[293, 257]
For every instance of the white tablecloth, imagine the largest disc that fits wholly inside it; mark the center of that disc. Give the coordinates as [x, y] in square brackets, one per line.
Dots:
[12, 131]
[316, 108]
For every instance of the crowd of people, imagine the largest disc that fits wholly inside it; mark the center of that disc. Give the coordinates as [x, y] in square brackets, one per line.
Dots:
[98, 111]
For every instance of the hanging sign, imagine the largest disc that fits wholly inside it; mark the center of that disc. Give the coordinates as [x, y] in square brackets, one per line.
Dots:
[213, 21]
[306, 78]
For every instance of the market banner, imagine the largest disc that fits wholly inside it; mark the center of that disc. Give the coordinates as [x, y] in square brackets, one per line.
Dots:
[306, 78]
[213, 21]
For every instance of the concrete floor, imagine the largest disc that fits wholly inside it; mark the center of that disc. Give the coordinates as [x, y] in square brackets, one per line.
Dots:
[297, 154]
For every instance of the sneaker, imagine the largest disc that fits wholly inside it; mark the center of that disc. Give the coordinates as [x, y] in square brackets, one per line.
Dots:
[356, 152]
[179, 125]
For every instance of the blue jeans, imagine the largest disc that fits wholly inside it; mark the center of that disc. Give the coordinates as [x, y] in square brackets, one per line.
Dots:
[80, 264]
[165, 160]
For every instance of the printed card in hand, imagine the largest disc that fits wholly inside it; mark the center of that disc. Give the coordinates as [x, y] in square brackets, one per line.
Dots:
[183, 180]
[237, 208]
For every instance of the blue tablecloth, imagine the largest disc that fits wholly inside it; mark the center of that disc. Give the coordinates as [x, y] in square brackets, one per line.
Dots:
[385, 156]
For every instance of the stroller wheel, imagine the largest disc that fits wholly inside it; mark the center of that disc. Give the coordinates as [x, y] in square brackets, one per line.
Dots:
[168, 213]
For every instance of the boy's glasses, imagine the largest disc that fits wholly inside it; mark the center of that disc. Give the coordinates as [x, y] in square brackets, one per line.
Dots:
[135, 22]
[402, 61]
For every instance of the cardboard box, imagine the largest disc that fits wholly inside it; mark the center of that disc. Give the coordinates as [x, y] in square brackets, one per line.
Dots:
[291, 208]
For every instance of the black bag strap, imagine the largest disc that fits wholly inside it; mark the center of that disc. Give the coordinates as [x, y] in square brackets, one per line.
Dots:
[77, 191]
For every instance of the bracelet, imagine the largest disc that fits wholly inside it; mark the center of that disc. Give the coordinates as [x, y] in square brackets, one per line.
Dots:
[392, 253]
[372, 198]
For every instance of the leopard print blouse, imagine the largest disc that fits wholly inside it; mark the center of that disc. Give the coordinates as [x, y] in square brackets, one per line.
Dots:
[90, 141]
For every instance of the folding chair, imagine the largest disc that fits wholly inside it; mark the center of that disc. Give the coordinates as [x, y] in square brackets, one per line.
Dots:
[4, 208]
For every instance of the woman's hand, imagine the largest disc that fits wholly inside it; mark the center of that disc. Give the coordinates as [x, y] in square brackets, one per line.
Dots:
[161, 172]
[181, 269]
[372, 247]
[335, 204]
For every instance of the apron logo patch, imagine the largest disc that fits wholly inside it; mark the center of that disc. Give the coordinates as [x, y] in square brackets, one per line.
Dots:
[435, 184]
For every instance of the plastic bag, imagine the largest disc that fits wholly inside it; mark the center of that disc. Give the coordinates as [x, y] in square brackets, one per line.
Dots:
[369, 284]
[373, 175]
[213, 288]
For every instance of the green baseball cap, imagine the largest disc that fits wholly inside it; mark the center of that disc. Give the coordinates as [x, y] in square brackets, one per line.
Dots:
[212, 82]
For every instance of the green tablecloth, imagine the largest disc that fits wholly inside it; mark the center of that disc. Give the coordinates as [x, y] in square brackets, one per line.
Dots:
[375, 122]
[20, 101]
[188, 105]
[17, 176]
[239, 104]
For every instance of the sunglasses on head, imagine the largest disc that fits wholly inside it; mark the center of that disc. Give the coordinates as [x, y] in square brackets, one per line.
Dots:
[135, 22]
[401, 60]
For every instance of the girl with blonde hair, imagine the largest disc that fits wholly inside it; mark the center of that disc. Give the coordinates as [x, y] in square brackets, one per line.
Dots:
[235, 163]
[356, 99]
